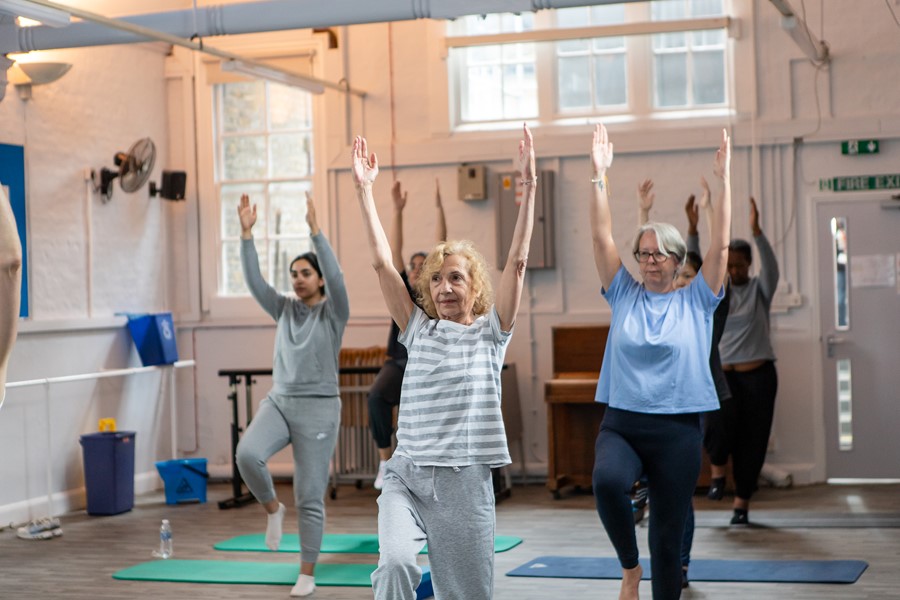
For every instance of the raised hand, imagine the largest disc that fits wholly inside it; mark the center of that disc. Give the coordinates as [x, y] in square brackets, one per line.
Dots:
[754, 217]
[646, 195]
[693, 213]
[365, 167]
[601, 151]
[311, 215]
[722, 164]
[705, 196]
[525, 162]
[399, 196]
[246, 215]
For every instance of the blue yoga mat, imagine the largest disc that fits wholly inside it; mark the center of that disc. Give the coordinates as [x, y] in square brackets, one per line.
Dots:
[763, 571]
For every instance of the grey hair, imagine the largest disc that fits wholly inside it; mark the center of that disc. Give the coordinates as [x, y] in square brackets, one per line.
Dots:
[668, 239]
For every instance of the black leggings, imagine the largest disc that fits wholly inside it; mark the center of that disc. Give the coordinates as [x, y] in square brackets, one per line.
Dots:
[746, 422]
[667, 449]
[384, 395]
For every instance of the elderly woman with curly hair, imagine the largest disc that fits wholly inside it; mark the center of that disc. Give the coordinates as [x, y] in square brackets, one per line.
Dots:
[437, 486]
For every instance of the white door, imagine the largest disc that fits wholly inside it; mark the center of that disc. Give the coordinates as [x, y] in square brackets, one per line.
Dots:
[859, 313]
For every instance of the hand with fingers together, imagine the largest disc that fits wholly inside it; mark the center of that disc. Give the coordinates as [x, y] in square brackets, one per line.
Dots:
[311, 215]
[246, 216]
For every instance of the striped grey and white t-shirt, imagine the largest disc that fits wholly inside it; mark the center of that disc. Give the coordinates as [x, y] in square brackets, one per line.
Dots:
[450, 400]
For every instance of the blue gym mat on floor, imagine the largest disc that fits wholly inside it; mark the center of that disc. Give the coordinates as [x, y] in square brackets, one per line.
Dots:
[763, 571]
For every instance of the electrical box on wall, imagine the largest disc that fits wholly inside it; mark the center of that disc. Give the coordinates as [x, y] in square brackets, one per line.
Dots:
[471, 182]
[541, 254]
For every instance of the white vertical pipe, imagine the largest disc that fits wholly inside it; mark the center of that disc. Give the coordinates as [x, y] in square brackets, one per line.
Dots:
[89, 242]
[49, 470]
[173, 421]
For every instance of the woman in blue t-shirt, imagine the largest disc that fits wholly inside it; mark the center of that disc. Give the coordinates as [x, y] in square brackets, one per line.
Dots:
[655, 377]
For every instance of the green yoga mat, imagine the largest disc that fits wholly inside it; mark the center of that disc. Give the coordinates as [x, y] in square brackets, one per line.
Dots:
[349, 543]
[224, 571]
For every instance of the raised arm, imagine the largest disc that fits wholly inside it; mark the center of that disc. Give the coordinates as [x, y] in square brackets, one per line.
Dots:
[768, 264]
[693, 217]
[513, 277]
[606, 257]
[10, 284]
[268, 297]
[331, 269]
[365, 170]
[716, 261]
[646, 196]
[441, 228]
[396, 241]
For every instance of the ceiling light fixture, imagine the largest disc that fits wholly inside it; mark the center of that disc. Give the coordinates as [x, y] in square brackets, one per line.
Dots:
[816, 50]
[25, 75]
[52, 17]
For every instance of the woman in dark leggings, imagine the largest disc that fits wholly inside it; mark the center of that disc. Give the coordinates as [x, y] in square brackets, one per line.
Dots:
[655, 377]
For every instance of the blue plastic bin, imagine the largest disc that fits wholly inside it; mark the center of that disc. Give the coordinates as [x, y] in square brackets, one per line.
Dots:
[109, 471]
[185, 479]
[154, 337]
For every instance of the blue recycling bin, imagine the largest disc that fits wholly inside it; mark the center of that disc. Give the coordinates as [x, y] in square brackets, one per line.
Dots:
[109, 471]
[154, 337]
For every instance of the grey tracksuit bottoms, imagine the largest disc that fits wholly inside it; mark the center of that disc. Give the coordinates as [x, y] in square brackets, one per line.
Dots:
[452, 510]
[310, 426]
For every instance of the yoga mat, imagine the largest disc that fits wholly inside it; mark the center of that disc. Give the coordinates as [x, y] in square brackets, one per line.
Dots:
[763, 571]
[259, 573]
[350, 543]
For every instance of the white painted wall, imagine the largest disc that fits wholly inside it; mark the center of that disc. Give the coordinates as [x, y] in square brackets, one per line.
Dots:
[150, 255]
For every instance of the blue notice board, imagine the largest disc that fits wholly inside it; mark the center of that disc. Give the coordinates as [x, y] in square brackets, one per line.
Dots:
[12, 175]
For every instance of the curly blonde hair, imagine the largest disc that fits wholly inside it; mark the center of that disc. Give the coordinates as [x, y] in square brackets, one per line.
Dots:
[478, 274]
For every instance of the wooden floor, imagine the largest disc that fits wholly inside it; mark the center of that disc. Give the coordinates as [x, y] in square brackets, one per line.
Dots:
[80, 563]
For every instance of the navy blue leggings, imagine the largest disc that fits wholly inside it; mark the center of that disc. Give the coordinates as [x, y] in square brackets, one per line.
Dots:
[666, 448]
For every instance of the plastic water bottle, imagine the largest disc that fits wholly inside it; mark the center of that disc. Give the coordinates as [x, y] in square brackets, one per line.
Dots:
[165, 540]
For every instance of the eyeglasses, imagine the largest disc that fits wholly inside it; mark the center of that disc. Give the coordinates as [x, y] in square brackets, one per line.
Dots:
[657, 256]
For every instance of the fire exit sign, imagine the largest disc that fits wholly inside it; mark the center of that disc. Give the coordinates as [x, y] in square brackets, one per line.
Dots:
[859, 147]
[860, 183]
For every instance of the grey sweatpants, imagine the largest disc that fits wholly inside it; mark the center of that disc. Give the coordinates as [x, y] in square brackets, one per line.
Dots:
[452, 509]
[310, 426]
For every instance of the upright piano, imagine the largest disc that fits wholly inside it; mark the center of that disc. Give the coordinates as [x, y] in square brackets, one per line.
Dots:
[573, 418]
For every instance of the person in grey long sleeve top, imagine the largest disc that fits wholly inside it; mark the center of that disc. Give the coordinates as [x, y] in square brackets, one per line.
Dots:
[749, 364]
[303, 408]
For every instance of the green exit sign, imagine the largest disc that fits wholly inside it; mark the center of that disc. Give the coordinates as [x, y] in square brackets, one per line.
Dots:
[859, 147]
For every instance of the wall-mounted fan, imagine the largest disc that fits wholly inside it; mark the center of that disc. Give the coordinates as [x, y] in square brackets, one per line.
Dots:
[134, 170]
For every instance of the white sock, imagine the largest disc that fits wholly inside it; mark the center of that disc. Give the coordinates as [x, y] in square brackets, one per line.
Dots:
[379, 477]
[306, 585]
[273, 528]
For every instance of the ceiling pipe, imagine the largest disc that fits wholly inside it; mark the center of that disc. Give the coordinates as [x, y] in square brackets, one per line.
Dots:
[257, 17]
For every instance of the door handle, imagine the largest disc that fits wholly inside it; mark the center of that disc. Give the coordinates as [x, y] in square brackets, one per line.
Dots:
[831, 341]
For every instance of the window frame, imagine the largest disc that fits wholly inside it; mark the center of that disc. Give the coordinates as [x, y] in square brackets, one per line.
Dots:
[639, 56]
[272, 45]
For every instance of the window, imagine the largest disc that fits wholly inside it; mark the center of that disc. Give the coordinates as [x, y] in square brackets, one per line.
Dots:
[501, 79]
[688, 67]
[654, 75]
[263, 148]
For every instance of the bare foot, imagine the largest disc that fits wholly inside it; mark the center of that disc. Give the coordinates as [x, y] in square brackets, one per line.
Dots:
[631, 579]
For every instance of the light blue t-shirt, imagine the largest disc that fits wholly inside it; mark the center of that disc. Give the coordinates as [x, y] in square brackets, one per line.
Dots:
[657, 352]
